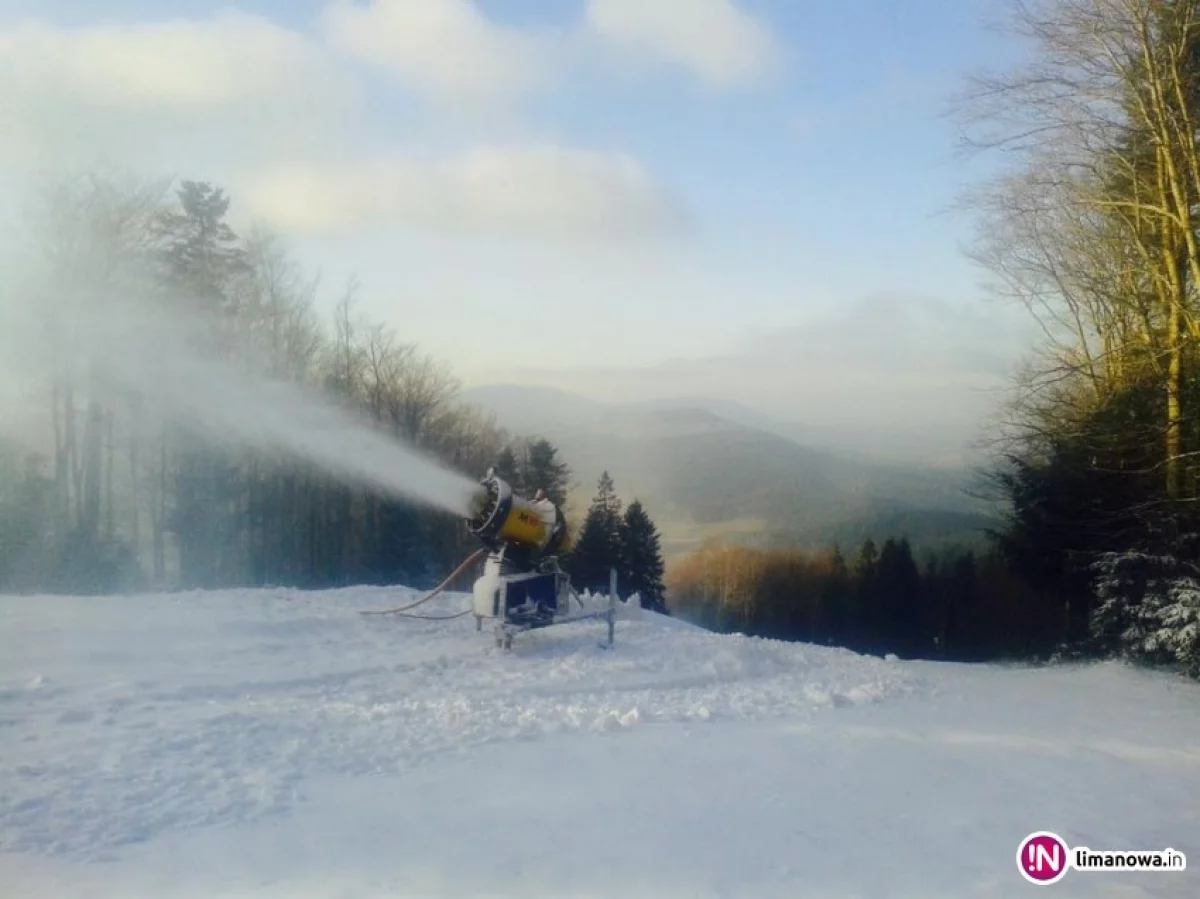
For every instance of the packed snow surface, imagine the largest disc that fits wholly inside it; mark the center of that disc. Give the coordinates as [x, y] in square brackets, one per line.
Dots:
[277, 743]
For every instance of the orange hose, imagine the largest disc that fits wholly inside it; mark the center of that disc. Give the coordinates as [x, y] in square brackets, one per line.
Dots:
[438, 589]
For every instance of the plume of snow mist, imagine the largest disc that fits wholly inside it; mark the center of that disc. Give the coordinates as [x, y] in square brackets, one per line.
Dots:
[123, 347]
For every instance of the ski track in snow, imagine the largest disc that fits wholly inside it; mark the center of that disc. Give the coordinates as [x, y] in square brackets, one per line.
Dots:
[122, 719]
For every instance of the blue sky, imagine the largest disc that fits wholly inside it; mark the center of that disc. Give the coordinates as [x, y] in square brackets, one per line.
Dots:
[658, 184]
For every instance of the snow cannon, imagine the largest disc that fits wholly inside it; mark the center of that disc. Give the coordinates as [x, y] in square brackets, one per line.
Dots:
[502, 519]
[522, 586]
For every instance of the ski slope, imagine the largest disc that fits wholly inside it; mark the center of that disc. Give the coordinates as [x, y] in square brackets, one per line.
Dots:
[276, 743]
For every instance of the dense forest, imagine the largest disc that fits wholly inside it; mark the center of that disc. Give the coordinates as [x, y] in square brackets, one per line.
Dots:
[119, 500]
[954, 605]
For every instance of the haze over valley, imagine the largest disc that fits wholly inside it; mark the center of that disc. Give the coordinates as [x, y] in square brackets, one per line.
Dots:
[710, 469]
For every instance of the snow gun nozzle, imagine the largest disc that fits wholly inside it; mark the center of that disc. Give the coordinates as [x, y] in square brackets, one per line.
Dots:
[486, 504]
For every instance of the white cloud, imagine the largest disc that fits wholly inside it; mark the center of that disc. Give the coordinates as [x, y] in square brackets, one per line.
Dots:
[203, 92]
[232, 59]
[447, 48]
[713, 38]
[543, 189]
[452, 51]
[115, 88]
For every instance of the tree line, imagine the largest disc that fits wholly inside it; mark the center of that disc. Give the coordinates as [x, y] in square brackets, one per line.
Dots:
[116, 502]
[953, 605]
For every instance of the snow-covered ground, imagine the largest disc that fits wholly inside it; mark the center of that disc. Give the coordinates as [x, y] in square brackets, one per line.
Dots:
[279, 744]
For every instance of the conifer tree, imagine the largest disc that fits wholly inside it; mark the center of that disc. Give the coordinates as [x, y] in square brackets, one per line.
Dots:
[598, 547]
[898, 603]
[203, 258]
[866, 623]
[509, 470]
[641, 558]
[544, 470]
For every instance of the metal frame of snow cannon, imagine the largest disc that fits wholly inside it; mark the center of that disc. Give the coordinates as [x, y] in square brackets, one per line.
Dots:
[522, 586]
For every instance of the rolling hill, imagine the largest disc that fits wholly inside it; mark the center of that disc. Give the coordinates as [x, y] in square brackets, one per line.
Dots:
[702, 474]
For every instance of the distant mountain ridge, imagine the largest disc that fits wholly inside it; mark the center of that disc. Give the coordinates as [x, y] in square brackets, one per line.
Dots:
[703, 475]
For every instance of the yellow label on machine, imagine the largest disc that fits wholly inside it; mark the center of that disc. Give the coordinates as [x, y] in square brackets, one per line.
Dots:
[523, 525]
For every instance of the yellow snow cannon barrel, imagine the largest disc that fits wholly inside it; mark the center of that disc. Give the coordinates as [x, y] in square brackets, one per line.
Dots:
[501, 517]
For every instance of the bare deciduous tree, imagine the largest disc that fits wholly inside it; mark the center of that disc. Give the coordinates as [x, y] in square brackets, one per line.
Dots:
[1093, 227]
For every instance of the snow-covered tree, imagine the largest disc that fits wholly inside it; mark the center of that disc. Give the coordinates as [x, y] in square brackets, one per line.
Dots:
[1149, 609]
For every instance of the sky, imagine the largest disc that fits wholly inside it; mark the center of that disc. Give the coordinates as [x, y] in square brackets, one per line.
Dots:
[628, 198]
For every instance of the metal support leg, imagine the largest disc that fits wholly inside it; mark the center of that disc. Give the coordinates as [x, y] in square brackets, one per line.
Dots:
[504, 637]
[612, 605]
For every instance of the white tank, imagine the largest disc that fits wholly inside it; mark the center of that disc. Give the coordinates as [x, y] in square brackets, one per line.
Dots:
[485, 589]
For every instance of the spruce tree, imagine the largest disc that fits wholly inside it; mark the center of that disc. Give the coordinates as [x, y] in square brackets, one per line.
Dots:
[902, 624]
[203, 255]
[203, 260]
[509, 470]
[543, 469]
[598, 547]
[641, 558]
[865, 625]
[838, 601]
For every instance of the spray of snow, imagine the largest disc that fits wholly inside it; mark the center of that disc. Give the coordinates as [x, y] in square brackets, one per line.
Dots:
[125, 345]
